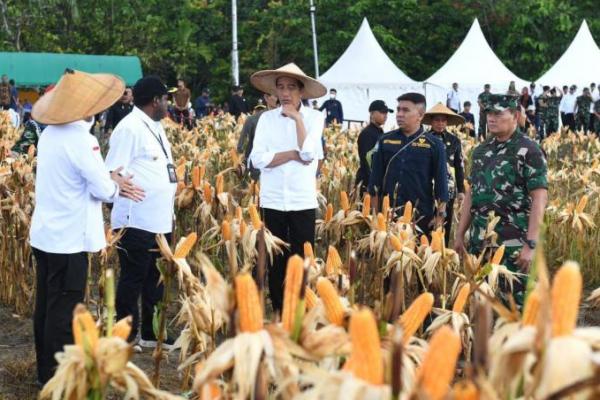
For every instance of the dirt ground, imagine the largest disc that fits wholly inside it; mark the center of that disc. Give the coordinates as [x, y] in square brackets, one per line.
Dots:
[17, 361]
[17, 356]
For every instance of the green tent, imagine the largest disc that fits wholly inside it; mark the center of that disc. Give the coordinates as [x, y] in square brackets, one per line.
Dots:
[40, 69]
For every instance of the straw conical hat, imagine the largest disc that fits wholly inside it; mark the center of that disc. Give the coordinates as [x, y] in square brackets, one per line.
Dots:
[265, 81]
[440, 109]
[77, 95]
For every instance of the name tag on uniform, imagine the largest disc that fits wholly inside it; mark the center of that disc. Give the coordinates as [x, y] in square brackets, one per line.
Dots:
[391, 141]
[172, 173]
[422, 142]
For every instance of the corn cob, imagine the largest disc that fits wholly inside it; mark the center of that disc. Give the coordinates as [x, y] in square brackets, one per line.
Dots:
[238, 213]
[414, 315]
[291, 295]
[396, 243]
[366, 347]
[226, 230]
[311, 298]
[334, 261]
[581, 204]
[344, 202]
[196, 177]
[436, 240]
[424, 241]
[531, 309]
[235, 159]
[461, 298]
[85, 332]
[308, 251]
[566, 295]
[202, 172]
[385, 205]
[407, 215]
[185, 246]
[366, 208]
[438, 367]
[254, 217]
[243, 227]
[180, 171]
[329, 213]
[248, 304]
[381, 224]
[122, 328]
[207, 193]
[219, 184]
[465, 390]
[331, 301]
[498, 254]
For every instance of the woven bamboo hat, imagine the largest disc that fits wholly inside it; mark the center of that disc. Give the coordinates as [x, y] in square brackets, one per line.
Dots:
[77, 95]
[265, 81]
[440, 109]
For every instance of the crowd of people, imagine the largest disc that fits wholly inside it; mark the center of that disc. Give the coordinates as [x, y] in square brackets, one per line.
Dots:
[420, 162]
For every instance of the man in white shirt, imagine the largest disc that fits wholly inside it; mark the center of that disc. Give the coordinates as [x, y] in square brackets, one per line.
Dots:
[71, 184]
[140, 145]
[287, 147]
[567, 107]
[453, 99]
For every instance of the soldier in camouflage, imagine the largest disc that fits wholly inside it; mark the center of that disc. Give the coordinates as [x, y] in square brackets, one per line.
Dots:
[552, 106]
[30, 136]
[509, 179]
[582, 114]
[597, 117]
[483, 100]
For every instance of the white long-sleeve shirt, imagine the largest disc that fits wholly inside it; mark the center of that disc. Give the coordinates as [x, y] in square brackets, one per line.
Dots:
[567, 104]
[135, 145]
[71, 184]
[291, 186]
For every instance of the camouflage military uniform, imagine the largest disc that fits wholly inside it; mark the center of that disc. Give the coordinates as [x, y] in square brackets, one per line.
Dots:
[597, 118]
[542, 111]
[551, 118]
[30, 136]
[582, 119]
[483, 98]
[502, 176]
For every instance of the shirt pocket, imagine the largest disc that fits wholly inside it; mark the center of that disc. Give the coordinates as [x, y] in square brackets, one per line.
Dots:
[152, 152]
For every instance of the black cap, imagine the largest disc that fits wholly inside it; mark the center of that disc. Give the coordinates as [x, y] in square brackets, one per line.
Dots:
[379, 105]
[147, 89]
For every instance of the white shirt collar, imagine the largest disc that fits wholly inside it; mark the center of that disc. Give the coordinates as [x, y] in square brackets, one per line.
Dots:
[144, 117]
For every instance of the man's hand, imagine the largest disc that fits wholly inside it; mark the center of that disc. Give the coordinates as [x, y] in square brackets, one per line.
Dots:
[127, 188]
[290, 111]
[299, 159]
[525, 258]
[459, 245]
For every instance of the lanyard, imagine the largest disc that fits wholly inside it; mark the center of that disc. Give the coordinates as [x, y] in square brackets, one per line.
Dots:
[395, 155]
[158, 138]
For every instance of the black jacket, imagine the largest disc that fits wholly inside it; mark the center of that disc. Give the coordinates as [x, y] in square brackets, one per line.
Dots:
[237, 106]
[367, 139]
[454, 157]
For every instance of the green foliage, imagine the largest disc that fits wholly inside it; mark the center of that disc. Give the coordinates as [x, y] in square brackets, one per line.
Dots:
[192, 38]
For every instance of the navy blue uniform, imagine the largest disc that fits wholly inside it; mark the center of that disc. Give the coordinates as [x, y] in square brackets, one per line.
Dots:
[334, 111]
[410, 169]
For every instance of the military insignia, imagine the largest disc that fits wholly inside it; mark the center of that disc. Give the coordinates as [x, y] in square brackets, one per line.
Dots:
[422, 142]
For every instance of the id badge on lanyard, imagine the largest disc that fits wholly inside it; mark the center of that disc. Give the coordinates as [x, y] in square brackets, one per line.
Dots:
[170, 167]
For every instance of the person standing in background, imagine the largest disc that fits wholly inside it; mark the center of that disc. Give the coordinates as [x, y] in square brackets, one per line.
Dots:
[182, 97]
[568, 107]
[333, 109]
[119, 110]
[202, 103]
[482, 101]
[237, 103]
[469, 118]
[582, 113]
[453, 99]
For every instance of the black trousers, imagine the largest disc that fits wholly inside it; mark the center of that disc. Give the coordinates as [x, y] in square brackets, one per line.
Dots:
[569, 121]
[60, 285]
[295, 228]
[448, 221]
[138, 252]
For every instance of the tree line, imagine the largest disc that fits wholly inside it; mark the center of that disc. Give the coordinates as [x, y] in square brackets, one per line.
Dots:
[192, 38]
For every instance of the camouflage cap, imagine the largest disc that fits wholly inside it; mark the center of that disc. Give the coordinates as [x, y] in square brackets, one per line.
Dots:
[501, 102]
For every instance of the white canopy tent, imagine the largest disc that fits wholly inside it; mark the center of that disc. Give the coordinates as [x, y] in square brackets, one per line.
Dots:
[472, 65]
[579, 64]
[365, 73]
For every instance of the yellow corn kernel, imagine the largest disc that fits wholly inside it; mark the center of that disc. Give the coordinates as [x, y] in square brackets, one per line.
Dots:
[498, 254]
[226, 230]
[254, 217]
[531, 309]
[334, 261]
[311, 298]
[438, 367]
[581, 204]
[207, 193]
[461, 298]
[85, 331]
[122, 328]
[344, 202]
[329, 213]
[331, 301]
[293, 284]
[248, 303]
[184, 248]
[385, 205]
[415, 314]
[407, 215]
[465, 390]
[396, 243]
[196, 177]
[566, 295]
[367, 361]
[219, 184]
[381, 223]
[366, 208]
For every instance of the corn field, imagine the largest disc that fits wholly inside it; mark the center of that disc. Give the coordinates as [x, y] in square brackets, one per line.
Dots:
[440, 332]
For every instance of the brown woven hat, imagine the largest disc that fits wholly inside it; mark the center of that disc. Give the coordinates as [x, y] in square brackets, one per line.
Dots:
[440, 109]
[265, 81]
[77, 95]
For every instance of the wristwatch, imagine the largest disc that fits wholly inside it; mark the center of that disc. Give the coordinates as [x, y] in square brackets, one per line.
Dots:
[531, 243]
